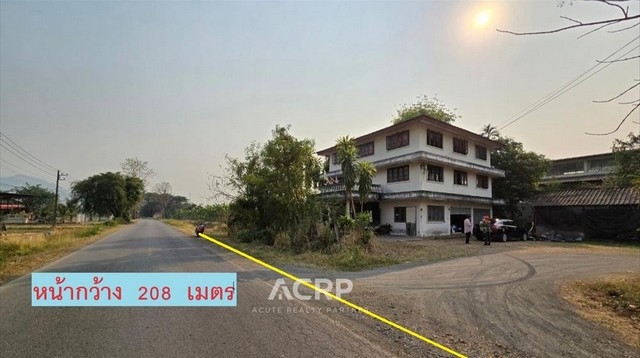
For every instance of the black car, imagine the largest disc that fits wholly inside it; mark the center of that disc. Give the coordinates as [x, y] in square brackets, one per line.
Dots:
[503, 230]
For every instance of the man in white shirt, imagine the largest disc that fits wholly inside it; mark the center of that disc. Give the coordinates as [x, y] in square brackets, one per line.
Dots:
[468, 228]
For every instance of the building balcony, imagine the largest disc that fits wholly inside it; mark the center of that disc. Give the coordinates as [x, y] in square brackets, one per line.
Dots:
[336, 190]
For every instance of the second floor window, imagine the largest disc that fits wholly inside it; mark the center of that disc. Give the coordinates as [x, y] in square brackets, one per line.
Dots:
[460, 146]
[398, 140]
[434, 138]
[459, 177]
[398, 174]
[481, 152]
[365, 149]
[435, 173]
[482, 181]
[334, 158]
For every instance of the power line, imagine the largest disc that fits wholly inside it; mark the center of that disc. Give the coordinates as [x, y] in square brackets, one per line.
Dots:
[26, 151]
[39, 176]
[26, 161]
[568, 86]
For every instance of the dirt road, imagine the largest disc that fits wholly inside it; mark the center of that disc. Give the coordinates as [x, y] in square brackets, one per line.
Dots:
[496, 305]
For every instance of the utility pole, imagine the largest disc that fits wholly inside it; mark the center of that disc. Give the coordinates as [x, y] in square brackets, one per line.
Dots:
[55, 205]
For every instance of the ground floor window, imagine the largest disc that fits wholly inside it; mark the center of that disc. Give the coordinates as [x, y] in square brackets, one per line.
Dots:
[400, 214]
[435, 213]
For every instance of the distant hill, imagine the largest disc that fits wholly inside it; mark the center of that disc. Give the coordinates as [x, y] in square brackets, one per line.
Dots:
[8, 183]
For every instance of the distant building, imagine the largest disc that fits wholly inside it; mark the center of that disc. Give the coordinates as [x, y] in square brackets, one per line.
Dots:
[585, 169]
[430, 175]
[580, 206]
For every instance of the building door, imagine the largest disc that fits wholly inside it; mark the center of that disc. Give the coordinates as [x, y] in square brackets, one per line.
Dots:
[411, 219]
[457, 216]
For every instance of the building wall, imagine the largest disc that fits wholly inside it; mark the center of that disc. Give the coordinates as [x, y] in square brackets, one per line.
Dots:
[418, 215]
[418, 142]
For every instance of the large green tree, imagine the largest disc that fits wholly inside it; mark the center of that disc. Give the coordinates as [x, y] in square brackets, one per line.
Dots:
[427, 106]
[109, 194]
[42, 201]
[523, 171]
[274, 183]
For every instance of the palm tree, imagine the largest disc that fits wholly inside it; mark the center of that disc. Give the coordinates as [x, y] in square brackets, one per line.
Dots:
[490, 132]
[347, 156]
[365, 172]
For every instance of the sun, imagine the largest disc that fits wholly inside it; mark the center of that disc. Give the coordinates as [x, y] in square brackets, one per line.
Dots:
[483, 18]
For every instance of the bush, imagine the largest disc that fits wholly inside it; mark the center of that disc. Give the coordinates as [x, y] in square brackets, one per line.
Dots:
[263, 235]
[281, 241]
[383, 229]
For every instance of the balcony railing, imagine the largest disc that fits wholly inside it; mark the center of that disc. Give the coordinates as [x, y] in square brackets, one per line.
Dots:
[339, 188]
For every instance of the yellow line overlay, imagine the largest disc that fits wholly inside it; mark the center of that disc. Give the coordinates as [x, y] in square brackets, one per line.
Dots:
[314, 287]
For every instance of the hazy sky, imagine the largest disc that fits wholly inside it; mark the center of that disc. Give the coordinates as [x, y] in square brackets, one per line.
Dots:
[84, 85]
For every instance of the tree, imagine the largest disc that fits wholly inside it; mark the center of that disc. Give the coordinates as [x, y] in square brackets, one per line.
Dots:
[41, 203]
[523, 171]
[274, 185]
[365, 172]
[430, 107]
[490, 132]
[137, 168]
[108, 194]
[347, 156]
[627, 162]
[164, 196]
[625, 19]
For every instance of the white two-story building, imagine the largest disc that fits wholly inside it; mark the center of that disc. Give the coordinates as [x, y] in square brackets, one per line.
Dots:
[430, 175]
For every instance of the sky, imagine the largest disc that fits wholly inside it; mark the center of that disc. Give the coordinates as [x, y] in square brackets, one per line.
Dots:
[181, 85]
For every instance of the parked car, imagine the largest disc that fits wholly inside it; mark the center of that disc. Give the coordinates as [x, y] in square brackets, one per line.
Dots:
[503, 230]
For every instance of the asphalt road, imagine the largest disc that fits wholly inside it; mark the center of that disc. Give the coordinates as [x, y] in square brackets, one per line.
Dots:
[257, 327]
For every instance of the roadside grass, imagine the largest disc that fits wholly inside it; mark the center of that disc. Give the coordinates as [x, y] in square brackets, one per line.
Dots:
[25, 248]
[612, 301]
[381, 251]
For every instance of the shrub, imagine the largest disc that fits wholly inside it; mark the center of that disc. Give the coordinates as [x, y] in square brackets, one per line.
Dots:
[383, 229]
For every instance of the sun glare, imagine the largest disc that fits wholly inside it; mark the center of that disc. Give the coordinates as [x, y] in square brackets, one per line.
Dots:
[483, 18]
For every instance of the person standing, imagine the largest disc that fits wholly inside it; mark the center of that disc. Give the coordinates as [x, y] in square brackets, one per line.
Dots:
[468, 228]
[485, 227]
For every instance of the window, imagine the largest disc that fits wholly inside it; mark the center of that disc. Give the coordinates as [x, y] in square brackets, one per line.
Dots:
[435, 213]
[434, 138]
[459, 177]
[596, 165]
[435, 173]
[365, 149]
[398, 140]
[398, 174]
[399, 214]
[335, 158]
[481, 152]
[460, 146]
[482, 181]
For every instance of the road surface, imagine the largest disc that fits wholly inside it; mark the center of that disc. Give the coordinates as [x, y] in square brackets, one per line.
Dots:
[252, 329]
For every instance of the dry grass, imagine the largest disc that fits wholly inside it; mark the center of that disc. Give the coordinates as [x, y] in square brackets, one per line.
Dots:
[612, 301]
[28, 247]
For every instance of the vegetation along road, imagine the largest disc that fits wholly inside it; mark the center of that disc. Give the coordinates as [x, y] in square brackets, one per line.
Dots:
[497, 303]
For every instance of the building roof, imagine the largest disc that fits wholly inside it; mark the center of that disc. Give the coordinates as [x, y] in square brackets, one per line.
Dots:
[433, 123]
[4, 195]
[584, 157]
[589, 197]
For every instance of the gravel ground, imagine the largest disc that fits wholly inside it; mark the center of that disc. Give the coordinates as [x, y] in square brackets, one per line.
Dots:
[504, 304]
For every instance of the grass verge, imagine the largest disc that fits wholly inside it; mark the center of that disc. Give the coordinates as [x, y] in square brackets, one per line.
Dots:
[612, 301]
[27, 248]
[383, 251]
